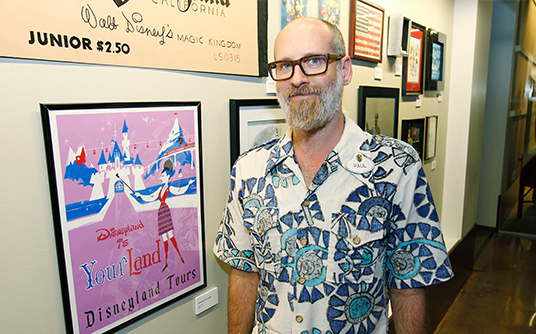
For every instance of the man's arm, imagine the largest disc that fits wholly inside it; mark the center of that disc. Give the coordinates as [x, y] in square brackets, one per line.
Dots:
[242, 297]
[409, 310]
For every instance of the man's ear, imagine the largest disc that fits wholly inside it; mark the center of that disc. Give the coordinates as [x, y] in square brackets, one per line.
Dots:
[346, 64]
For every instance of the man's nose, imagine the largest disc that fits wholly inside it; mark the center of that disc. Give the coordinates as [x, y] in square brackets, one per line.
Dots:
[298, 78]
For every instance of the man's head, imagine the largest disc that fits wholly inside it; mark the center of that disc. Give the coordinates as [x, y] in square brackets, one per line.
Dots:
[311, 101]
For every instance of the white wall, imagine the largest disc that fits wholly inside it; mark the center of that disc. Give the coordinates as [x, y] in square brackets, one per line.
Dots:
[470, 43]
[497, 106]
[29, 280]
[477, 115]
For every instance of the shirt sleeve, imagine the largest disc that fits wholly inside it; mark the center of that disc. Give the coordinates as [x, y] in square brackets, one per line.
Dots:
[233, 244]
[416, 253]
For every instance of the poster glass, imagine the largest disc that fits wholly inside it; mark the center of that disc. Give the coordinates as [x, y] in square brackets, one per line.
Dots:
[126, 190]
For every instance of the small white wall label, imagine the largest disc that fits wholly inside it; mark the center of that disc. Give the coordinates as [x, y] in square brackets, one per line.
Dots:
[206, 301]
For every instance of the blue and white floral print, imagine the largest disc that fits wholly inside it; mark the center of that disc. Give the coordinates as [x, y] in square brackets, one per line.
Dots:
[328, 254]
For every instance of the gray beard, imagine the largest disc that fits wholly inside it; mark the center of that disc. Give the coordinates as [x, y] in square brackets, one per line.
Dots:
[313, 113]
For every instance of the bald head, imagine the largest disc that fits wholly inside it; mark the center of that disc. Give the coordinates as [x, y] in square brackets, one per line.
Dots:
[317, 32]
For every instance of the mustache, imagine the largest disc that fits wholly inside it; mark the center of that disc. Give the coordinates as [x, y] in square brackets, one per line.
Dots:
[305, 90]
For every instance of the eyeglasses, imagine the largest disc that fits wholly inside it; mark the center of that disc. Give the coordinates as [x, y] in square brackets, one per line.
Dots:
[310, 66]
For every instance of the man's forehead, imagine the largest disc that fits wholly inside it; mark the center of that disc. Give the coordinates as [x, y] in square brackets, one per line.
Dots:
[301, 38]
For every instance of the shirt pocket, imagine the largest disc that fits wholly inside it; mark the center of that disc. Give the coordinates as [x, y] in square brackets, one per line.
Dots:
[356, 249]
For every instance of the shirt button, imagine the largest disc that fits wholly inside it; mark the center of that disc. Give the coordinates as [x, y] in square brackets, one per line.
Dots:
[301, 280]
[303, 241]
[306, 203]
[299, 318]
[261, 230]
[356, 240]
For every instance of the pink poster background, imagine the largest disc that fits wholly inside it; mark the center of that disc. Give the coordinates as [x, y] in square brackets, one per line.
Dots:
[117, 256]
[96, 132]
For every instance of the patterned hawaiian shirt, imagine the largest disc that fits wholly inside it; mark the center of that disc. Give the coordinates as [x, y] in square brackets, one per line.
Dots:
[327, 255]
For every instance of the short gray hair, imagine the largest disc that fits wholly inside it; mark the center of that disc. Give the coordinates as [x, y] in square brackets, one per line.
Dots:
[337, 42]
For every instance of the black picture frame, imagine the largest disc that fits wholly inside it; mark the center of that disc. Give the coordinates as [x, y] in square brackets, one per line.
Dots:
[378, 110]
[262, 27]
[436, 44]
[413, 65]
[253, 118]
[106, 163]
[413, 134]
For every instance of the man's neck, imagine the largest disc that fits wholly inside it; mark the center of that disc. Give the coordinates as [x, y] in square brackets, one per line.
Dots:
[313, 147]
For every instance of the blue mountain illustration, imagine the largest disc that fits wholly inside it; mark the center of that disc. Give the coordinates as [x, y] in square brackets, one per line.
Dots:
[173, 149]
[77, 170]
[174, 142]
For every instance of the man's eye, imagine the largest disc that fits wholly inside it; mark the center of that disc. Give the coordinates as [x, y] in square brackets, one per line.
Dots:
[314, 61]
[285, 66]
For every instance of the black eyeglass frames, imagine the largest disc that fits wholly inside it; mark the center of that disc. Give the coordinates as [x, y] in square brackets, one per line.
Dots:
[310, 66]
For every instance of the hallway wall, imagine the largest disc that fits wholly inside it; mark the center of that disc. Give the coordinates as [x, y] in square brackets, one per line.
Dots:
[470, 43]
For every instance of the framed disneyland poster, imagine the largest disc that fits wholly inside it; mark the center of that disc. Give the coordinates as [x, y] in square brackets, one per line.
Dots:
[413, 65]
[127, 202]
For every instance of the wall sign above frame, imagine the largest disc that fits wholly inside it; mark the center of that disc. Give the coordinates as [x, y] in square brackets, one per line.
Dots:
[366, 31]
[126, 190]
[227, 36]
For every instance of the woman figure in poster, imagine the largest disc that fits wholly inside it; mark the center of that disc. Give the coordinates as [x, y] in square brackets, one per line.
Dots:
[165, 222]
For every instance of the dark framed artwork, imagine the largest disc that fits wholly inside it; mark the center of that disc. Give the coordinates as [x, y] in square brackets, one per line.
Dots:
[253, 122]
[413, 65]
[413, 134]
[366, 31]
[436, 43]
[378, 110]
[431, 137]
[127, 202]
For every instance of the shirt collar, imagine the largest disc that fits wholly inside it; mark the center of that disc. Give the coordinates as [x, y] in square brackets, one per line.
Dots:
[282, 150]
[351, 142]
[348, 147]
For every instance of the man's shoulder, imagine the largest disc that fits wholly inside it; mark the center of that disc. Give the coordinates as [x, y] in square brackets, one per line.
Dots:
[258, 153]
[382, 142]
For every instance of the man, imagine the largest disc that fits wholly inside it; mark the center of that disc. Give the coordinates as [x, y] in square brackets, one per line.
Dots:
[327, 223]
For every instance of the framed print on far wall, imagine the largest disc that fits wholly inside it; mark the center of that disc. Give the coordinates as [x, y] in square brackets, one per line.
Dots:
[413, 65]
[378, 110]
[253, 122]
[127, 202]
[413, 134]
[431, 136]
[366, 31]
[435, 60]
